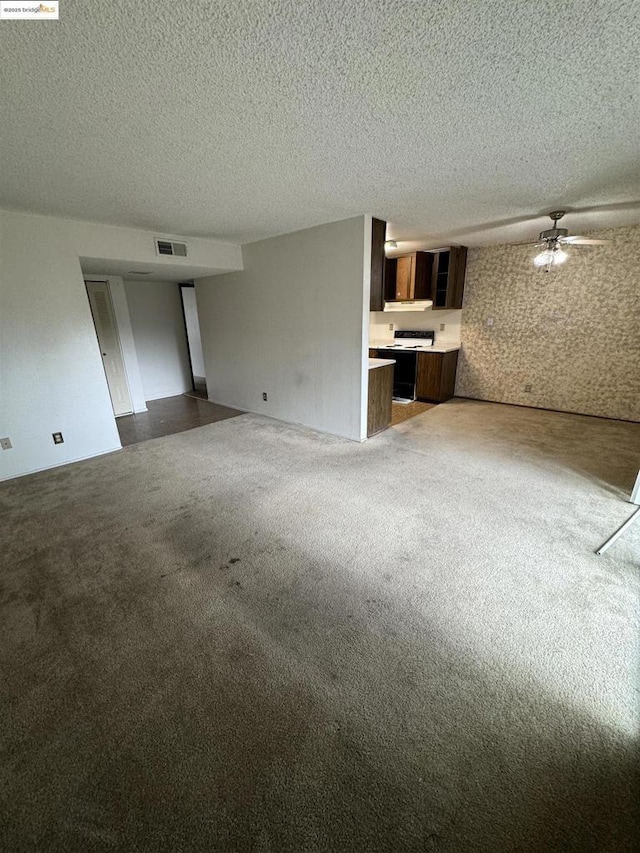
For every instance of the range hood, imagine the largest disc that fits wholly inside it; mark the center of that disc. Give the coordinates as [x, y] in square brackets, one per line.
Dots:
[408, 305]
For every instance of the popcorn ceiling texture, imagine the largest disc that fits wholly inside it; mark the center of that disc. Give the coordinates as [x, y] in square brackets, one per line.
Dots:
[573, 334]
[244, 120]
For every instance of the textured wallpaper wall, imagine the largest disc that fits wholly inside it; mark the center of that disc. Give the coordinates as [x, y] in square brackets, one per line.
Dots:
[572, 334]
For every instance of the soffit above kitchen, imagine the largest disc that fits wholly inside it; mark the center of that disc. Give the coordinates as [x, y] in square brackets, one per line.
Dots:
[454, 122]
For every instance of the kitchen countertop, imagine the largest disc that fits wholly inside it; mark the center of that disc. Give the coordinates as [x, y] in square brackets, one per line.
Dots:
[379, 362]
[445, 346]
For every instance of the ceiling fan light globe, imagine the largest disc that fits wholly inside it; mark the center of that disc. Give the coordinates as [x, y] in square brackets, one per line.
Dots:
[544, 258]
[559, 256]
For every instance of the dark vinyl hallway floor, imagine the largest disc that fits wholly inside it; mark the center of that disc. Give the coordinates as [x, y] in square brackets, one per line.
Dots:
[170, 415]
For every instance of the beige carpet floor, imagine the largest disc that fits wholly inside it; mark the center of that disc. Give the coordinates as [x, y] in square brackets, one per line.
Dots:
[254, 637]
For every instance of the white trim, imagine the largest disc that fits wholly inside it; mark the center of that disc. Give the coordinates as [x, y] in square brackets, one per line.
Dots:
[59, 464]
[166, 396]
[366, 298]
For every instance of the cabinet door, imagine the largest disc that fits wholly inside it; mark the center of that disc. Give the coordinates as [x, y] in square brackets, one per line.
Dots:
[449, 269]
[389, 285]
[440, 281]
[448, 375]
[428, 376]
[380, 394]
[436, 377]
[458, 272]
[405, 272]
[378, 232]
[422, 275]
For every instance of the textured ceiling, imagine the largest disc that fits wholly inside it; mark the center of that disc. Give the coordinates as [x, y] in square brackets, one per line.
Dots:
[453, 120]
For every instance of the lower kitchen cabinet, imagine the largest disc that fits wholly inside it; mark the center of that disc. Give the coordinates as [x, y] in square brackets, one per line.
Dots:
[380, 393]
[436, 376]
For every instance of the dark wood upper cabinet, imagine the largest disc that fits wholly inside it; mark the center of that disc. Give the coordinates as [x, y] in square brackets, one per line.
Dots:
[438, 276]
[378, 234]
[409, 277]
[390, 267]
[447, 280]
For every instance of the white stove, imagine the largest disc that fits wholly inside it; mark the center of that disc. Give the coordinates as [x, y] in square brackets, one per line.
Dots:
[407, 346]
[410, 343]
[406, 339]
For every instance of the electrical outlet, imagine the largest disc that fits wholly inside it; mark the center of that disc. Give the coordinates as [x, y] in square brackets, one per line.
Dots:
[264, 396]
[5, 443]
[57, 438]
[391, 327]
[442, 327]
[527, 389]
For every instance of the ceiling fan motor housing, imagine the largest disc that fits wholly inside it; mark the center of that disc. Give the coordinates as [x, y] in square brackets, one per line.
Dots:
[554, 233]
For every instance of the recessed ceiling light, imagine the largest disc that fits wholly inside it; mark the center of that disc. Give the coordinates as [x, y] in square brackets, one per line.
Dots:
[390, 244]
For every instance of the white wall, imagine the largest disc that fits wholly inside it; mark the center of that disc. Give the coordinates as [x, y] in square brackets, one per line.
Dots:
[51, 374]
[158, 331]
[292, 324]
[100, 242]
[379, 322]
[193, 331]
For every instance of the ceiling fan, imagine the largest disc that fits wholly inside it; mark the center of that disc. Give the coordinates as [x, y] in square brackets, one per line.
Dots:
[553, 239]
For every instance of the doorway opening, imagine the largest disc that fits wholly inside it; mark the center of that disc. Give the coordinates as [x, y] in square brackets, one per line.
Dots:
[194, 342]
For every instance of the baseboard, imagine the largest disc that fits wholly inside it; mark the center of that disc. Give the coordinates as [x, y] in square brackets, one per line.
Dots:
[543, 409]
[170, 394]
[289, 422]
[59, 464]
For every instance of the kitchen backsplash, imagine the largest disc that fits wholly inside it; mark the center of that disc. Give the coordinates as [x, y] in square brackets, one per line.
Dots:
[567, 340]
[379, 323]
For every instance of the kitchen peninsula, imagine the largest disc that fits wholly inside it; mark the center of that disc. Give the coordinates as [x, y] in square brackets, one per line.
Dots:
[380, 393]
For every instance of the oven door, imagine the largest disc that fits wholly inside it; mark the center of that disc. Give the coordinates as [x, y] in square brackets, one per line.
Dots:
[404, 373]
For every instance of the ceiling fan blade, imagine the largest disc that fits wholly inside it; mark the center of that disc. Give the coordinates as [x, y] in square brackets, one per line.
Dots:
[526, 243]
[582, 241]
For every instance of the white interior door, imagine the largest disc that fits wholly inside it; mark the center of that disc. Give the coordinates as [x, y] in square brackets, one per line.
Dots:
[194, 342]
[107, 332]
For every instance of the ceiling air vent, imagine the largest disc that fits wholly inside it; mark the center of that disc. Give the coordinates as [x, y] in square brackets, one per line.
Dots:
[171, 247]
